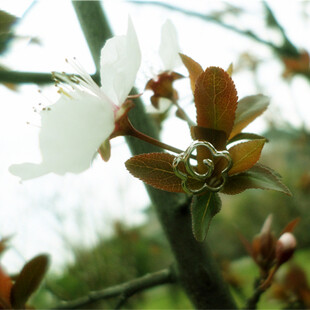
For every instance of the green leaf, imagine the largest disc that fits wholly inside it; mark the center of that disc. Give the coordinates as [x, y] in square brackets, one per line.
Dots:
[248, 109]
[203, 209]
[215, 100]
[245, 155]
[259, 177]
[28, 280]
[246, 136]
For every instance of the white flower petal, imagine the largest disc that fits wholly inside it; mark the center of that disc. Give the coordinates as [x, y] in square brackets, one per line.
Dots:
[169, 46]
[71, 133]
[28, 171]
[120, 61]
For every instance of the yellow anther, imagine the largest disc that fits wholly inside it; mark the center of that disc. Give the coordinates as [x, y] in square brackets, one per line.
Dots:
[62, 91]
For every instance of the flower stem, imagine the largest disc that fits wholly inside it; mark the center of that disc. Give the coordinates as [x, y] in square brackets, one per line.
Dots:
[135, 133]
[254, 299]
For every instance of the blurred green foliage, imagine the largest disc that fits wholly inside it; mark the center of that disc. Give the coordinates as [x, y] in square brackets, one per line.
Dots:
[128, 254]
[7, 22]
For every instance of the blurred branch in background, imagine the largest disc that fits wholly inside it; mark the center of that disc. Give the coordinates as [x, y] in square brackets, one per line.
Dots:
[124, 290]
[287, 47]
[209, 18]
[17, 77]
[296, 61]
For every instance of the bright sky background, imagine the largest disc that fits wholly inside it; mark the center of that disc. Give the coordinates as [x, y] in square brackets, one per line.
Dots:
[39, 212]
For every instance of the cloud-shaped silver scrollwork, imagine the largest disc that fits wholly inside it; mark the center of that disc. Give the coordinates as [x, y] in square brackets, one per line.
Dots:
[191, 171]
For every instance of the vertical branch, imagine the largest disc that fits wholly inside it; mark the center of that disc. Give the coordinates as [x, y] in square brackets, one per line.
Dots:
[97, 35]
[197, 270]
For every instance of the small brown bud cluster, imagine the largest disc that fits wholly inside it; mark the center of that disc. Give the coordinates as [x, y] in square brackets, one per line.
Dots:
[269, 252]
[293, 289]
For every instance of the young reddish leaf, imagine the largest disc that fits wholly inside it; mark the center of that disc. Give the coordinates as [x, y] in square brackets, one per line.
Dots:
[194, 69]
[28, 281]
[217, 138]
[203, 209]
[5, 289]
[216, 100]
[259, 177]
[290, 226]
[245, 155]
[247, 110]
[155, 169]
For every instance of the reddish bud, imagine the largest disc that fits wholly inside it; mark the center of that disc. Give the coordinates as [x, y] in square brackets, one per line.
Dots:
[285, 248]
[162, 87]
[299, 64]
[263, 247]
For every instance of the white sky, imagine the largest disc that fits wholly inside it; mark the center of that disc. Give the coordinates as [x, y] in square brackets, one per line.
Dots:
[37, 212]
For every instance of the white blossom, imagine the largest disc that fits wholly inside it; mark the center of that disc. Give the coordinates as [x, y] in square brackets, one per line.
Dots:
[169, 48]
[73, 128]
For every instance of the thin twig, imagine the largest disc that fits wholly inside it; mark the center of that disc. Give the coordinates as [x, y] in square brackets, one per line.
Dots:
[254, 299]
[125, 290]
[182, 114]
[288, 47]
[212, 19]
[137, 134]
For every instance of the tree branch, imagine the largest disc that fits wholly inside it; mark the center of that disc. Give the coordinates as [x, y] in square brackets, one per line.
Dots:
[287, 49]
[18, 77]
[254, 299]
[97, 35]
[197, 269]
[247, 33]
[125, 290]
